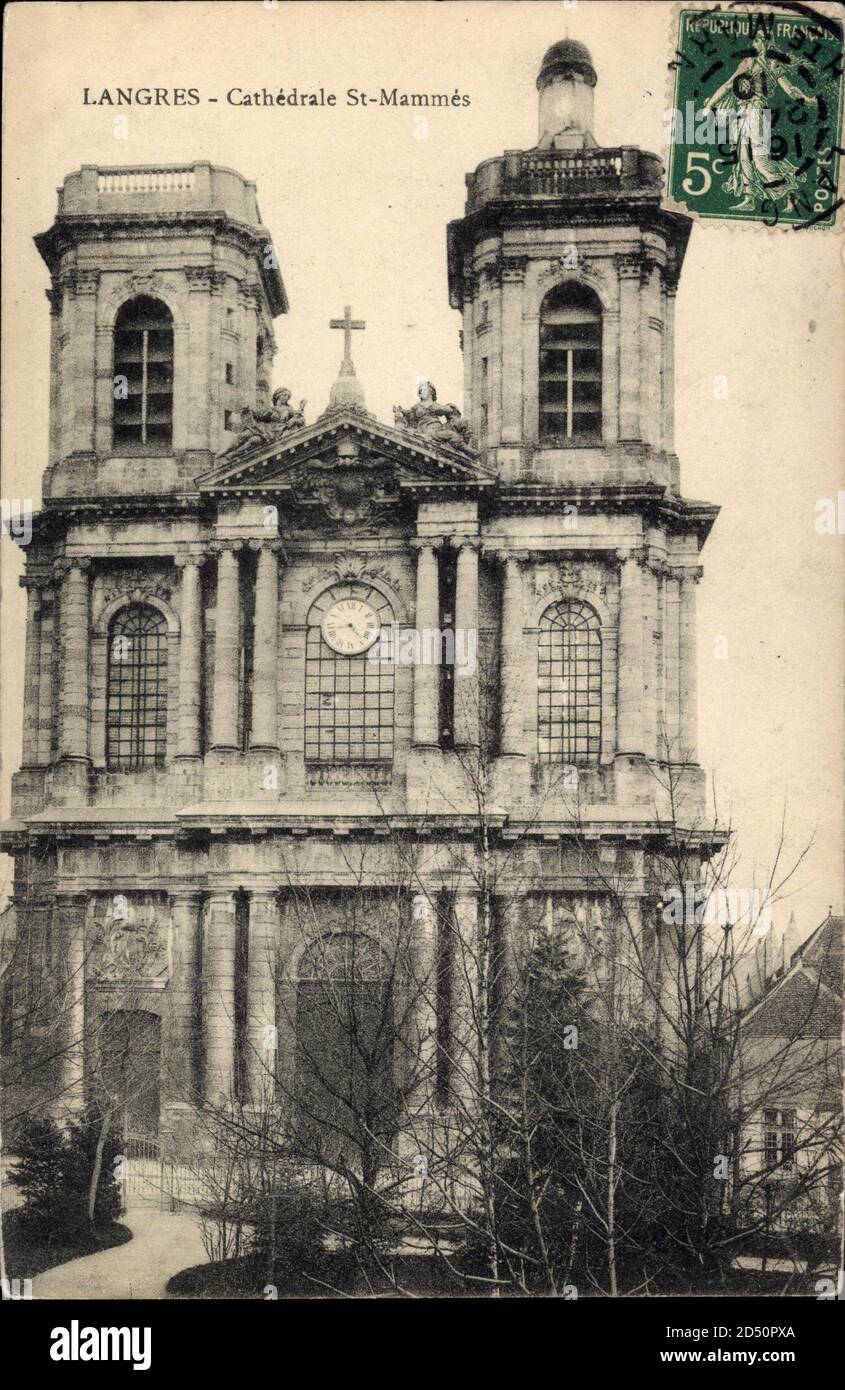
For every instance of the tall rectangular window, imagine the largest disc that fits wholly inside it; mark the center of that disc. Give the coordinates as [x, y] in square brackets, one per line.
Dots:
[143, 375]
[570, 366]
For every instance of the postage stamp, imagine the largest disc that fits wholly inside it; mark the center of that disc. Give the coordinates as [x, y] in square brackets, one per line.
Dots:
[754, 131]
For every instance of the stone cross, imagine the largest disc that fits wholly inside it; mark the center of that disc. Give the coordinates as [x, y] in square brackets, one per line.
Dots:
[347, 323]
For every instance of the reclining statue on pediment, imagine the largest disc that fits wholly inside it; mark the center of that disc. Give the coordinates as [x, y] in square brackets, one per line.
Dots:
[261, 427]
[437, 421]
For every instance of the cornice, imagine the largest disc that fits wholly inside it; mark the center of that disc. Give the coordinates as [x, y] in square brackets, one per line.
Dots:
[73, 229]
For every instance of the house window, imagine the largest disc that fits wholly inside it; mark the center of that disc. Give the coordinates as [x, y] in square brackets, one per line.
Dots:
[570, 366]
[227, 419]
[349, 699]
[569, 684]
[779, 1139]
[230, 374]
[136, 705]
[143, 375]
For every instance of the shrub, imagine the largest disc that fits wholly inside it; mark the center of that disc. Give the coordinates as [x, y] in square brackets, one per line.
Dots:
[54, 1172]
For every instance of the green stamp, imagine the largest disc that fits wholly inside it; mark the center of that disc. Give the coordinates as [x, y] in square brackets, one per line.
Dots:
[753, 136]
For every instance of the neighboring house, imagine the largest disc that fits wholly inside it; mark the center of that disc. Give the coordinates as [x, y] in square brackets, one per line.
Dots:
[792, 1066]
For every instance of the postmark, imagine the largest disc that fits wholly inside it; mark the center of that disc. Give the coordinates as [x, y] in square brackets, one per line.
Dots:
[754, 132]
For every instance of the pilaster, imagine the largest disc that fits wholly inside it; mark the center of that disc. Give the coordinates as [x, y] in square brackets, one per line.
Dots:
[218, 997]
[73, 745]
[182, 1027]
[426, 674]
[629, 702]
[466, 621]
[265, 716]
[190, 656]
[224, 725]
[69, 932]
[512, 664]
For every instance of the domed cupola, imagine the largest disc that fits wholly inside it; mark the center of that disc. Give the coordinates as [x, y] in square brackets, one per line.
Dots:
[565, 82]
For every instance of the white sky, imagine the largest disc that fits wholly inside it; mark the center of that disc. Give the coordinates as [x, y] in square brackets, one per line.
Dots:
[358, 206]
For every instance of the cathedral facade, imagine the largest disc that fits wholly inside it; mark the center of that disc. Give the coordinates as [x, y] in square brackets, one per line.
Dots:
[286, 675]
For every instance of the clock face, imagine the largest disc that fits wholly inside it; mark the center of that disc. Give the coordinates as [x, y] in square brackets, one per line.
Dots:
[350, 626]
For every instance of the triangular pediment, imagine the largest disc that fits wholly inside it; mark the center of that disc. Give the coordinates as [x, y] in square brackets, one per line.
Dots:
[344, 441]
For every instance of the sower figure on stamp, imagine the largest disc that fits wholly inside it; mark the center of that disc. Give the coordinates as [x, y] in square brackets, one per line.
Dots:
[756, 173]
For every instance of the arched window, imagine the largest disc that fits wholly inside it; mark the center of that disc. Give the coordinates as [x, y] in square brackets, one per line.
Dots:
[349, 698]
[569, 684]
[143, 371]
[570, 366]
[136, 706]
[347, 957]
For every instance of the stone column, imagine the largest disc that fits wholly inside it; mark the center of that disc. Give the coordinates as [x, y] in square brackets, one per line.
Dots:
[427, 676]
[290, 941]
[218, 997]
[73, 745]
[632, 958]
[464, 1031]
[81, 366]
[651, 352]
[54, 297]
[629, 347]
[224, 718]
[218, 439]
[69, 933]
[424, 984]
[512, 658]
[512, 275]
[531, 378]
[688, 721]
[610, 376]
[466, 622]
[265, 708]
[468, 347]
[671, 664]
[261, 1039]
[31, 672]
[182, 1036]
[629, 724]
[505, 967]
[248, 314]
[669, 367]
[46, 713]
[190, 657]
[649, 695]
[661, 749]
[201, 398]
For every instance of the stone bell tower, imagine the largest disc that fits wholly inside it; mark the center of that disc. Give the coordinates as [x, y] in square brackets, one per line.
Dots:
[577, 386]
[565, 268]
[164, 289]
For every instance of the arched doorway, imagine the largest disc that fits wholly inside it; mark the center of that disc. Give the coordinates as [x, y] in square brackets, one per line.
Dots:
[345, 1044]
[129, 1080]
